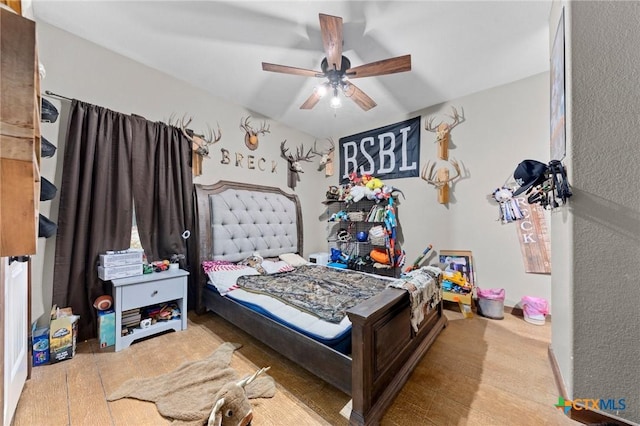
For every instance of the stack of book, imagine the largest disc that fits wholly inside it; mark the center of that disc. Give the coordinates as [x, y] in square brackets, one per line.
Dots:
[131, 318]
[376, 214]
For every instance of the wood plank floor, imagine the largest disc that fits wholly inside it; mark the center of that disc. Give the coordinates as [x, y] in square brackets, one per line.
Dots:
[478, 372]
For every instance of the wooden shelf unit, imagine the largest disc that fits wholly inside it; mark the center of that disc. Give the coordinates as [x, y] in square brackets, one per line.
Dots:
[19, 135]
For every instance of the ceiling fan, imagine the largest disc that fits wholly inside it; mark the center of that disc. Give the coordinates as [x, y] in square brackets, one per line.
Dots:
[337, 69]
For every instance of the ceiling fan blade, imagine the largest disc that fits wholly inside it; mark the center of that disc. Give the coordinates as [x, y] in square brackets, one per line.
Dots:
[385, 66]
[359, 97]
[291, 70]
[331, 28]
[315, 97]
[311, 101]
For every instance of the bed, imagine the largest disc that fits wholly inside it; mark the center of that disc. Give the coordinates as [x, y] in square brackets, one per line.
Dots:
[234, 220]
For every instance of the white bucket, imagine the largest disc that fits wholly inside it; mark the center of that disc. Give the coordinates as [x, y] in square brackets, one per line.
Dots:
[535, 310]
[535, 319]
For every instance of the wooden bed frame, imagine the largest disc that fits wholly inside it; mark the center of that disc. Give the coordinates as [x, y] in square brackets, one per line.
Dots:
[385, 348]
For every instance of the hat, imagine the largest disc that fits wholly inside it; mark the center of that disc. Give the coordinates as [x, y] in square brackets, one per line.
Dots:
[48, 112]
[529, 173]
[47, 149]
[47, 190]
[46, 228]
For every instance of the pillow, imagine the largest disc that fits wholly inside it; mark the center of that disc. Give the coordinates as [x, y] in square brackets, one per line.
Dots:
[219, 265]
[223, 275]
[293, 259]
[275, 267]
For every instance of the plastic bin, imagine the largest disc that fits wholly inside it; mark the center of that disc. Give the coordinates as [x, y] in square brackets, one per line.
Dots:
[491, 302]
[535, 309]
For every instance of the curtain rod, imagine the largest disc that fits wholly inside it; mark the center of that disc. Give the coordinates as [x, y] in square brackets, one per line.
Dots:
[50, 93]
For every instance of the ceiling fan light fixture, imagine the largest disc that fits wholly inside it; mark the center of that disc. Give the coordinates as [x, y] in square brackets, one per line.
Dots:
[321, 90]
[335, 100]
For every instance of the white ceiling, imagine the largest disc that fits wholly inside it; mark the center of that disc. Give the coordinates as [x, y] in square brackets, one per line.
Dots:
[457, 48]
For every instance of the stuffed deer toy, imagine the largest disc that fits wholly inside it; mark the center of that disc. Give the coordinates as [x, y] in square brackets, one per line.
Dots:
[232, 407]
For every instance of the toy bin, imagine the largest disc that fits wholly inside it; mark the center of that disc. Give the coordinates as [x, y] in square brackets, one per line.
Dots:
[491, 302]
[40, 341]
[535, 309]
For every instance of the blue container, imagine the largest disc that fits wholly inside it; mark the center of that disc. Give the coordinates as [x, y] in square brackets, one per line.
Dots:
[107, 328]
[40, 341]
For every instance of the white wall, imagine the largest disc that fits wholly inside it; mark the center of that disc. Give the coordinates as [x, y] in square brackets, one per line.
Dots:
[86, 71]
[597, 340]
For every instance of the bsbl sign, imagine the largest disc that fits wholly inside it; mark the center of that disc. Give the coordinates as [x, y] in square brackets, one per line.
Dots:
[389, 152]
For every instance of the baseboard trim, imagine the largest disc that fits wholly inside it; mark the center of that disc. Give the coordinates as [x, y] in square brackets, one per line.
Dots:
[516, 311]
[508, 310]
[588, 417]
[557, 375]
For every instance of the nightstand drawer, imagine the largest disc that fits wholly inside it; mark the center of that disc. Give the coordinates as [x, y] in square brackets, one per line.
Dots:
[150, 293]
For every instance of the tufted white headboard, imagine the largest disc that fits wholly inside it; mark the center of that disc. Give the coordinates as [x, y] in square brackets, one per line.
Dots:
[235, 220]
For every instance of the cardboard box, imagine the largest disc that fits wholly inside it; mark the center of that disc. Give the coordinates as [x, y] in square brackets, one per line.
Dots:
[40, 346]
[63, 333]
[113, 272]
[130, 257]
[107, 328]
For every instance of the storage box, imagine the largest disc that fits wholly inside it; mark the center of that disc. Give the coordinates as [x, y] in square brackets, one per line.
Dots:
[113, 272]
[319, 258]
[107, 328]
[40, 346]
[457, 297]
[131, 257]
[63, 332]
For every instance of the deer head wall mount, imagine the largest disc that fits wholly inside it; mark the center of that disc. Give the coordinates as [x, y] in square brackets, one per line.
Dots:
[326, 157]
[295, 166]
[199, 142]
[251, 134]
[440, 178]
[443, 132]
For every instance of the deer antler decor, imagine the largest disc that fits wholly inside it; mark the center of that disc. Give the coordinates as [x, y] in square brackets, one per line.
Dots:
[326, 157]
[443, 132]
[251, 135]
[294, 162]
[199, 142]
[440, 179]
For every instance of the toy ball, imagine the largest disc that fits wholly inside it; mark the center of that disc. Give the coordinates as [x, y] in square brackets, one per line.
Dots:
[102, 303]
[362, 236]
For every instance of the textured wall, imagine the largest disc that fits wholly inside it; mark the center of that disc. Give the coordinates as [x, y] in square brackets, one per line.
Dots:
[605, 210]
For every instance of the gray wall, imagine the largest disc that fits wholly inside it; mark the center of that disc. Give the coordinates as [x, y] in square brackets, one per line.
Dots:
[597, 337]
[503, 126]
[88, 72]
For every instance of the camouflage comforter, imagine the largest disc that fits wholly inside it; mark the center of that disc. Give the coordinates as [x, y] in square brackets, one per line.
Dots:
[324, 292]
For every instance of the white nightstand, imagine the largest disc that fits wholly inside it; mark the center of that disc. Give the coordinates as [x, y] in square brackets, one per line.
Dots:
[145, 290]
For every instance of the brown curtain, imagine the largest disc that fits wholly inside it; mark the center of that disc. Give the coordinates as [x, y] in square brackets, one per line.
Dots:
[163, 187]
[95, 206]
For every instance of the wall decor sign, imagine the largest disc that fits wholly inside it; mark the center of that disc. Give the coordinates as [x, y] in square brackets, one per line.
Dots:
[558, 130]
[389, 152]
[533, 235]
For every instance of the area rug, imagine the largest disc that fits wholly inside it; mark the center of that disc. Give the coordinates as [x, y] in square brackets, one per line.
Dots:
[186, 395]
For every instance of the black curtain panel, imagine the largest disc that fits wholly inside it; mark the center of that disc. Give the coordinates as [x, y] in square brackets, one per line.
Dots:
[95, 212]
[163, 191]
